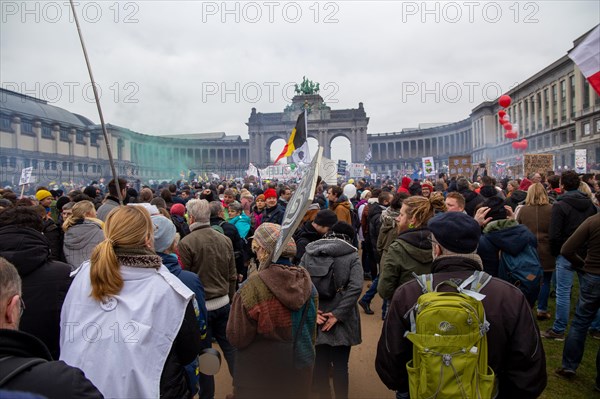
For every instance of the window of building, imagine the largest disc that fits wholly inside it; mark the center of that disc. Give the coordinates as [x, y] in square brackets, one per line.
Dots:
[538, 99]
[12, 162]
[93, 139]
[547, 141]
[3, 162]
[547, 108]
[587, 129]
[597, 125]
[64, 134]
[26, 127]
[5, 123]
[46, 165]
[79, 137]
[555, 139]
[46, 132]
[563, 100]
[554, 104]
[526, 116]
[53, 165]
[572, 84]
[572, 135]
[26, 163]
[586, 94]
[563, 137]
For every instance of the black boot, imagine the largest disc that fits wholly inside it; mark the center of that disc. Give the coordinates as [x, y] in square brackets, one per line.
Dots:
[366, 307]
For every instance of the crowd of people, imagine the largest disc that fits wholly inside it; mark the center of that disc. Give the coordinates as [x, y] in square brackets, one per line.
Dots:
[117, 293]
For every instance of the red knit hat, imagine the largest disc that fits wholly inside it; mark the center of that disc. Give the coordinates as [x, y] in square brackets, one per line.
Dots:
[270, 193]
[178, 209]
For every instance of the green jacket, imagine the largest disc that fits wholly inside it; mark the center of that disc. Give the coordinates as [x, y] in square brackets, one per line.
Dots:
[410, 252]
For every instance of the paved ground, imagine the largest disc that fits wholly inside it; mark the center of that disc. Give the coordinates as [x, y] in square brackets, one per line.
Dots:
[364, 382]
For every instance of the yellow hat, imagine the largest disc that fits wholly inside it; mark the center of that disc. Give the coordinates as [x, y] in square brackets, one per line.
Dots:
[42, 194]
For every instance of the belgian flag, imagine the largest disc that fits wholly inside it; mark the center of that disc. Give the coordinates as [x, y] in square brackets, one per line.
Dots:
[297, 138]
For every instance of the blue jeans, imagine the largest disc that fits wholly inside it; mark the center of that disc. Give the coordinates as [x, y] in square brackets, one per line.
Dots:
[217, 324]
[587, 308]
[544, 292]
[564, 283]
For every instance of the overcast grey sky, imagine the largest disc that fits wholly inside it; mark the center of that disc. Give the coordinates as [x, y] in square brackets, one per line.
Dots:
[200, 66]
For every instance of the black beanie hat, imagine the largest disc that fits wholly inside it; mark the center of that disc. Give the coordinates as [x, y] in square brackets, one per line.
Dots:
[325, 218]
[345, 229]
[488, 191]
[455, 231]
[61, 202]
[496, 205]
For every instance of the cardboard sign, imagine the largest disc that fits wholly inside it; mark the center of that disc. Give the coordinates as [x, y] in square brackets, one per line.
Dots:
[538, 163]
[460, 165]
[328, 171]
[298, 204]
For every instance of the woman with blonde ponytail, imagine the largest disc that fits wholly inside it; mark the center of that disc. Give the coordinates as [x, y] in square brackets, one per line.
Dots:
[127, 322]
[83, 231]
[411, 251]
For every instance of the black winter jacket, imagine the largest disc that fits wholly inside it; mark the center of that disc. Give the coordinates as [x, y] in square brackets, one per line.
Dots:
[568, 212]
[304, 236]
[52, 379]
[234, 235]
[45, 282]
[515, 350]
[472, 199]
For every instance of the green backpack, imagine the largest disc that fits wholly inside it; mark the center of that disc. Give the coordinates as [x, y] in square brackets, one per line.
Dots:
[448, 332]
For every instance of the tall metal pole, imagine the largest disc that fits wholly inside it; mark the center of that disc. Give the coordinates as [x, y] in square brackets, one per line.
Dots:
[104, 131]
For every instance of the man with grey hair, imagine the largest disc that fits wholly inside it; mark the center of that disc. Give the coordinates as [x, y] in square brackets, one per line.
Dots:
[25, 362]
[209, 253]
[515, 352]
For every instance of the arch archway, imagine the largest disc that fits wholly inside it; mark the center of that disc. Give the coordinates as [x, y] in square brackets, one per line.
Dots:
[274, 147]
[341, 148]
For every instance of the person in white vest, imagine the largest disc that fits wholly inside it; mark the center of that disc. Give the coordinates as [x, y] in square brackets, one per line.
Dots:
[127, 322]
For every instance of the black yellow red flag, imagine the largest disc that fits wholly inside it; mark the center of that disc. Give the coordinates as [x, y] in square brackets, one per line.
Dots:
[297, 138]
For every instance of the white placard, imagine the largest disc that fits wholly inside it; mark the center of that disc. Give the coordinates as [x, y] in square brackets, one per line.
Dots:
[26, 176]
[357, 170]
[581, 161]
[428, 166]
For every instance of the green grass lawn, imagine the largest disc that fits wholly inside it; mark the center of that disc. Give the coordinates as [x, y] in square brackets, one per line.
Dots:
[583, 385]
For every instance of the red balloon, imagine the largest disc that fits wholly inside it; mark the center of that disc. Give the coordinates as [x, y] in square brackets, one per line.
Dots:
[501, 113]
[524, 143]
[516, 145]
[507, 126]
[502, 121]
[504, 101]
[510, 134]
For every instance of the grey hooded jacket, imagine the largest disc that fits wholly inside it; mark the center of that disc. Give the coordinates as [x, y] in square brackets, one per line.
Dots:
[348, 273]
[80, 241]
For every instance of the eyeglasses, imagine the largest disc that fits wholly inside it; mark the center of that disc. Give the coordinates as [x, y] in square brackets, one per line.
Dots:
[22, 306]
